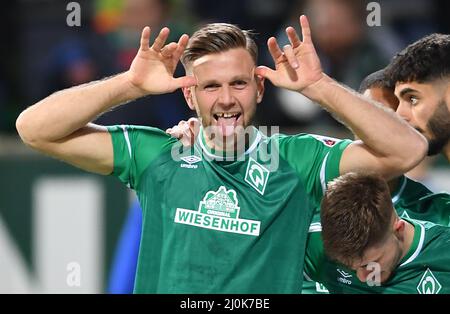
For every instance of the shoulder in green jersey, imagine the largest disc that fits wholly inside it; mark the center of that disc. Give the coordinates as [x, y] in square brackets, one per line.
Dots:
[411, 200]
[425, 269]
[135, 147]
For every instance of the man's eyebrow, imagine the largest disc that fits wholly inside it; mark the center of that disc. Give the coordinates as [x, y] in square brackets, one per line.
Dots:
[233, 79]
[208, 82]
[406, 90]
[241, 77]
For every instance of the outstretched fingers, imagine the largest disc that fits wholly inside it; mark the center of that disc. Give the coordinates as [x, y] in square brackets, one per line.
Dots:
[306, 30]
[265, 72]
[290, 56]
[184, 81]
[293, 37]
[168, 50]
[161, 39]
[274, 49]
[182, 43]
[145, 38]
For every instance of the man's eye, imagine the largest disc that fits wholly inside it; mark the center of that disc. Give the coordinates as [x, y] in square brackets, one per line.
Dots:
[413, 100]
[211, 87]
[240, 84]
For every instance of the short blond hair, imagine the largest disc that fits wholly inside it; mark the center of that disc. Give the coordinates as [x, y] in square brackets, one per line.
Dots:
[216, 38]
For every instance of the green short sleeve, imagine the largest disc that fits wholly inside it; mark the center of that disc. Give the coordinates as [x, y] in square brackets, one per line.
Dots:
[315, 158]
[135, 147]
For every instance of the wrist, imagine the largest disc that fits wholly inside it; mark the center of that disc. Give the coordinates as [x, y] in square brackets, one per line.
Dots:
[130, 90]
[315, 90]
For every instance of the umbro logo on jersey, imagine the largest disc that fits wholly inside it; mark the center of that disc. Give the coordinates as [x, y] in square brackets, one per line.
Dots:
[344, 277]
[190, 161]
[429, 284]
[343, 273]
[256, 175]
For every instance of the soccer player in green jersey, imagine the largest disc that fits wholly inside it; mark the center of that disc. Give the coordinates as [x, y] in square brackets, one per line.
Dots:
[421, 76]
[386, 253]
[411, 199]
[414, 201]
[231, 214]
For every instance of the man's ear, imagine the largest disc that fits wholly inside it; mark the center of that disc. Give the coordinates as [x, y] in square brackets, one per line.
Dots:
[399, 227]
[259, 88]
[187, 93]
[447, 95]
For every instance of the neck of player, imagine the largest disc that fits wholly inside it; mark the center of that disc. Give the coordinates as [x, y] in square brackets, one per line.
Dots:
[408, 236]
[236, 143]
[446, 151]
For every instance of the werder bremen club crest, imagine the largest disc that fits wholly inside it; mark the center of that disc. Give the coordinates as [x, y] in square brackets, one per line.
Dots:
[219, 210]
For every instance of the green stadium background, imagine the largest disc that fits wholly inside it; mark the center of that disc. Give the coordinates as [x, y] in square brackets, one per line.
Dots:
[36, 251]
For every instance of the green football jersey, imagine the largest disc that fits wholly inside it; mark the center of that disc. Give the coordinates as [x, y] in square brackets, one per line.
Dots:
[411, 200]
[425, 269]
[314, 255]
[214, 225]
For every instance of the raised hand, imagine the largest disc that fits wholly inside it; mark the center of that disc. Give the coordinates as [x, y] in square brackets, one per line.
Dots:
[152, 69]
[185, 131]
[297, 66]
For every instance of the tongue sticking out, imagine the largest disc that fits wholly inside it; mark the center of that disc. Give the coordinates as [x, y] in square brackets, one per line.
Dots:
[227, 125]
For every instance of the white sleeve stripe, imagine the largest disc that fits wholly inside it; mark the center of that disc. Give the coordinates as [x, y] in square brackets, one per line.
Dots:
[323, 179]
[315, 228]
[307, 277]
[127, 139]
[419, 247]
[396, 198]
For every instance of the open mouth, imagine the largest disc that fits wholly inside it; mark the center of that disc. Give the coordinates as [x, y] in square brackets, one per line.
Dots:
[227, 115]
[227, 122]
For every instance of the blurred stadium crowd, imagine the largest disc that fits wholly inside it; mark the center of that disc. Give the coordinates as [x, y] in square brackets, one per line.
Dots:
[41, 54]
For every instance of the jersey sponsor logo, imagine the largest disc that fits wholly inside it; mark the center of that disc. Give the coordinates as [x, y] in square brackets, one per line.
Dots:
[328, 141]
[344, 277]
[190, 161]
[256, 175]
[218, 210]
[429, 284]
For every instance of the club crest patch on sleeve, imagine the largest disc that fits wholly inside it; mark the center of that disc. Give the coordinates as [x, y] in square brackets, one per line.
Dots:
[328, 141]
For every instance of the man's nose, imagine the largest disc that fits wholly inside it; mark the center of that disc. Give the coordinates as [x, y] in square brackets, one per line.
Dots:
[226, 97]
[362, 273]
[404, 111]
